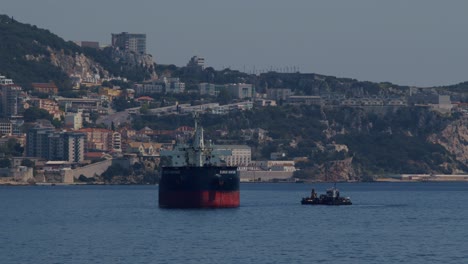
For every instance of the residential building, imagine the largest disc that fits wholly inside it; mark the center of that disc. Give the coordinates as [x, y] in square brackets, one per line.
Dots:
[167, 85]
[198, 108]
[305, 99]
[79, 103]
[196, 62]
[37, 139]
[73, 146]
[117, 142]
[111, 93]
[237, 90]
[49, 105]
[10, 101]
[210, 88]
[174, 85]
[43, 141]
[265, 102]
[240, 90]
[101, 139]
[276, 165]
[149, 88]
[279, 94]
[11, 127]
[130, 42]
[127, 133]
[241, 154]
[6, 127]
[144, 148]
[47, 88]
[74, 120]
[224, 109]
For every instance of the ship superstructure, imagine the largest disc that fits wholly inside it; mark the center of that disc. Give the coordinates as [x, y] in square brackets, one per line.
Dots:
[197, 154]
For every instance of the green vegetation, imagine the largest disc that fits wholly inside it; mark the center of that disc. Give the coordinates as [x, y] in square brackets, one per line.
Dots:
[28, 163]
[33, 113]
[5, 163]
[383, 153]
[392, 142]
[25, 56]
[12, 148]
[114, 171]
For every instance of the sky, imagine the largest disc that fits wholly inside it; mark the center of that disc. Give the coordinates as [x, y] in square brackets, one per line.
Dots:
[418, 42]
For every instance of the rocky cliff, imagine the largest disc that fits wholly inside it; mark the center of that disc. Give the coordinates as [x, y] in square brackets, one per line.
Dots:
[454, 138]
[77, 64]
[30, 54]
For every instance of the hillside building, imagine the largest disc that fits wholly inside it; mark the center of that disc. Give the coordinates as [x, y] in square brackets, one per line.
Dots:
[47, 88]
[196, 62]
[10, 100]
[102, 139]
[130, 42]
[210, 88]
[237, 90]
[279, 94]
[305, 99]
[43, 141]
[241, 155]
[74, 120]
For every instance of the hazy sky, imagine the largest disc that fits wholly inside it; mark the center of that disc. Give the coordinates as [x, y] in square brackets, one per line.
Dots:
[408, 42]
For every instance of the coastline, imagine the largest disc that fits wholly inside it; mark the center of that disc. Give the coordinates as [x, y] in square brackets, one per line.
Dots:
[9, 181]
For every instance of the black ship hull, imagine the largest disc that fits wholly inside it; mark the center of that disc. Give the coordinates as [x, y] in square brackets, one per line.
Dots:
[199, 187]
[326, 201]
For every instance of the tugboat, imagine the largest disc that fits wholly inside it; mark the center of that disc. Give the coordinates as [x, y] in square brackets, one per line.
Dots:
[332, 197]
[198, 177]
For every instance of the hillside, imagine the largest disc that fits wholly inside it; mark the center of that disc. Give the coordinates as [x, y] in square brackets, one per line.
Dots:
[30, 54]
[299, 83]
[345, 143]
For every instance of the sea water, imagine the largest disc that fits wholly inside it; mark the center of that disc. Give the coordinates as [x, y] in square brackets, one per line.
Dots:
[387, 223]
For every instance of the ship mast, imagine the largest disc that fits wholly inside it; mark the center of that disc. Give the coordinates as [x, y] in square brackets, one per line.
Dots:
[199, 144]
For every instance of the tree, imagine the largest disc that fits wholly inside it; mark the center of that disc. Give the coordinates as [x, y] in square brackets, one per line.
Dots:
[28, 163]
[57, 123]
[5, 163]
[94, 116]
[224, 96]
[12, 148]
[144, 109]
[33, 113]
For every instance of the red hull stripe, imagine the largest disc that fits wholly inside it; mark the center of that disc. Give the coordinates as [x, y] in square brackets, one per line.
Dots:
[199, 199]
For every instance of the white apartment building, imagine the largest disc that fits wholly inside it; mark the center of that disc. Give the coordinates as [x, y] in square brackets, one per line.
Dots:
[237, 90]
[241, 154]
[74, 120]
[148, 88]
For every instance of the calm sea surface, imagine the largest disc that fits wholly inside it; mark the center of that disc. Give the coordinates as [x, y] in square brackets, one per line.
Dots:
[388, 223]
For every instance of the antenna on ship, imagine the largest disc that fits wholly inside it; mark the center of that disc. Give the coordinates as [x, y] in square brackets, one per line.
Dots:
[196, 118]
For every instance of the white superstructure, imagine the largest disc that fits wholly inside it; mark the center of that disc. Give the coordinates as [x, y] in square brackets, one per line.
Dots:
[197, 154]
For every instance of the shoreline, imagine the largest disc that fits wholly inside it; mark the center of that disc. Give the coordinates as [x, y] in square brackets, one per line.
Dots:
[380, 180]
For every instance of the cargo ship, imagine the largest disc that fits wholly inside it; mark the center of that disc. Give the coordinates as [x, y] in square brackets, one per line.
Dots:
[198, 177]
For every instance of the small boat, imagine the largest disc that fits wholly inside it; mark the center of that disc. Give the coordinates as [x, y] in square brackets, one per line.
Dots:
[332, 197]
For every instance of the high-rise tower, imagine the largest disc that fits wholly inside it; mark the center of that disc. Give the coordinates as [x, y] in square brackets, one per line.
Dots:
[130, 42]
